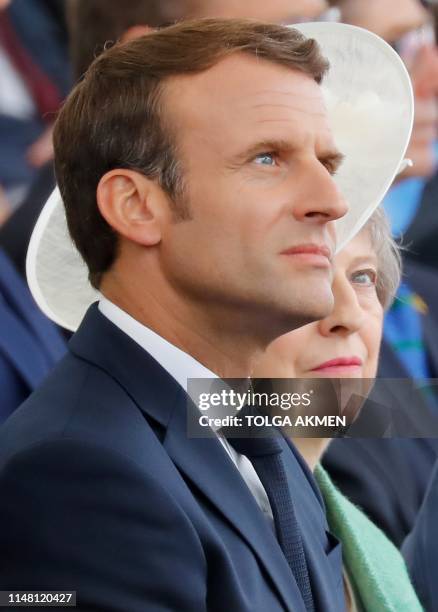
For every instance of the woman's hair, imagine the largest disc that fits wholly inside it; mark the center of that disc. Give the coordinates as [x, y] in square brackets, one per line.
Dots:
[388, 256]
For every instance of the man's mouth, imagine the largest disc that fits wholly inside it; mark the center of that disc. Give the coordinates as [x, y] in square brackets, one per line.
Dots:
[313, 254]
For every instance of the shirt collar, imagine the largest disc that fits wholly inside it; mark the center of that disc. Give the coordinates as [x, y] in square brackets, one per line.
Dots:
[177, 363]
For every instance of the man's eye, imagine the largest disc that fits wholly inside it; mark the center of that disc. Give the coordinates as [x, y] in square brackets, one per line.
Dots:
[366, 278]
[265, 159]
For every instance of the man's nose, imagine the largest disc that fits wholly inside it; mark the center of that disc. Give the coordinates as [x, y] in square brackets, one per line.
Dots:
[320, 201]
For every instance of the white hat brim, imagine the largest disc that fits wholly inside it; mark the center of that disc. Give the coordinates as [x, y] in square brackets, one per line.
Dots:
[370, 103]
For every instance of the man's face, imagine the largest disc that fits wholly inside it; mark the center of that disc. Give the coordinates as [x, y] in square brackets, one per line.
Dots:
[276, 11]
[257, 156]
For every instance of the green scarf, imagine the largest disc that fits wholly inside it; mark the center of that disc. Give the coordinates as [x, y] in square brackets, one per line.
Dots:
[374, 565]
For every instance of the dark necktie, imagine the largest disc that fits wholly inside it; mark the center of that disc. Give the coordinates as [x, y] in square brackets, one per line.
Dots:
[265, 453]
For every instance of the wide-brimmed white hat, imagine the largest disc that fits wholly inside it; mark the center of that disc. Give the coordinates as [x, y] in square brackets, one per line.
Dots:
[369, 99]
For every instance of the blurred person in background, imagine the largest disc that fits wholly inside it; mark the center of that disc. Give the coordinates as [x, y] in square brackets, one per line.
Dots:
[277, 11]
[421, 229]
[34, 78]
[30, 345]
[367, 470]
[97, 24]
[5, 207]
[346, 344]
[408, 26]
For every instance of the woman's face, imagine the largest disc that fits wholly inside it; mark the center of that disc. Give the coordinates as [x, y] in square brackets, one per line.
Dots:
[347, 342]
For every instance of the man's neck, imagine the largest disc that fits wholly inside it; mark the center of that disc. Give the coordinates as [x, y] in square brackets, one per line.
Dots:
[220, 346]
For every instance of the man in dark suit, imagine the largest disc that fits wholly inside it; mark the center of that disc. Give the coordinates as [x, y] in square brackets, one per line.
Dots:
[196, 234]
[29, 343]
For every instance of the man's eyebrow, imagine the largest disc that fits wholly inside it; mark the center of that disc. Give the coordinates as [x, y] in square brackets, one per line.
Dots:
[332, 159]
[265, 146]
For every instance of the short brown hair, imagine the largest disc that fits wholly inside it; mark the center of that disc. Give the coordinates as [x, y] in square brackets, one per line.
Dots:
[113, 117]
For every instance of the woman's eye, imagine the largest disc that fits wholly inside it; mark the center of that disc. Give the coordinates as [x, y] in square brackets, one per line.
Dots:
[265, 159]
[365, 278]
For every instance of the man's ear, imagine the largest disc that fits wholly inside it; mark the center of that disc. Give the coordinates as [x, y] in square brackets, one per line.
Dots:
[135, 32]
[133, 205]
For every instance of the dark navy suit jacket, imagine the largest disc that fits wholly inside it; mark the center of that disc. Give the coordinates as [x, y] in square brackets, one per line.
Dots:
[103, 492]
[421, 548]
[30, 345]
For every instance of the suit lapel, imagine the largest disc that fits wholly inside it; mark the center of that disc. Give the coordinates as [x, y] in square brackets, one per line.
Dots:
[202, 460]
[206, 464]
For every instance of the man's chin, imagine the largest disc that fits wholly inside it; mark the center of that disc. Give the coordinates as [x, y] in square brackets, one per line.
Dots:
[318, 304]
[312, 315]
[310, 308]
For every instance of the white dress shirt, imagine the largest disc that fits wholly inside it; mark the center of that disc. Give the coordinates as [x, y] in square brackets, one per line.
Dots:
[182, 366]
